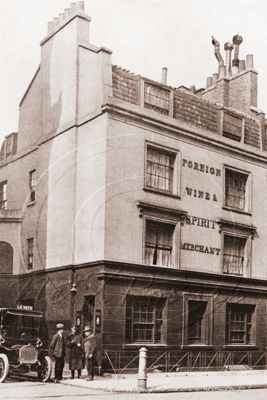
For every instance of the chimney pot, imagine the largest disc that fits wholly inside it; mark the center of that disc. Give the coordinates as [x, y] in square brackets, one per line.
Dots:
[242, 66]
[192, 89]
[72, 7]
[209, 82]
[249, 62]
[49, 27]
[55, 21]
[164, 76]
[66, 13]
[61, 17]
[222, 72]
[214, 78]
[80, 5]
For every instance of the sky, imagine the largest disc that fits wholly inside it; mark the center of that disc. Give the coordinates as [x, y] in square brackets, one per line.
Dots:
[144, 36]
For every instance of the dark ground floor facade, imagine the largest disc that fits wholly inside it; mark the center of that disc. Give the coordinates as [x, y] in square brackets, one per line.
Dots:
[185, 319]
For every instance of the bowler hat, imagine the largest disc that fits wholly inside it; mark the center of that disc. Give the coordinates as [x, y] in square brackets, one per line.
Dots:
[87, 329]
[59, 326]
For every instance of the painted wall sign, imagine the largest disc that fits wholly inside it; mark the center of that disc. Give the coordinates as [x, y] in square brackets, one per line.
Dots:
[199, 248]
[200, 194]
[201, 167]
[198, 221]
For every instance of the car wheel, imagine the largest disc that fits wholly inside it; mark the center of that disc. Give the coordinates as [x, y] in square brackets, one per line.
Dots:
[44, 375]
[4, 367]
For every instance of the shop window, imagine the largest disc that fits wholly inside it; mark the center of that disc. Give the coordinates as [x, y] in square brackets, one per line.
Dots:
[32, 181]
[159, 243]
[240, 324]
[233, 257]
[3, 195]
[236, 190]
[157, 99]
[144, 319]
[198, 314]
[30, 254]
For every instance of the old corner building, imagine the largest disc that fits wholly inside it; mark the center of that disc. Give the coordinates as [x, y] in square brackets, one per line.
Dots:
[150, 199]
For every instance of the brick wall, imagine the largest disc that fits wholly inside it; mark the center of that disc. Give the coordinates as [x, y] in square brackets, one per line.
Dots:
[252, 133]
[124, 85]
[195, 111]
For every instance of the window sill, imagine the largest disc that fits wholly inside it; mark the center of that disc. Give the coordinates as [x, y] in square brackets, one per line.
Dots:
[162, 192]
[145, 344]
[196, 346]
[31, 203]
[236, 210]
[240, 347]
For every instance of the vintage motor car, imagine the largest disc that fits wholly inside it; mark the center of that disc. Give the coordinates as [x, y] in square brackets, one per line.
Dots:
[21, 347]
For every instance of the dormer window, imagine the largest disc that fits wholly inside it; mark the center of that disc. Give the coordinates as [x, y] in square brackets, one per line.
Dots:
[233, 127]
[157, 99]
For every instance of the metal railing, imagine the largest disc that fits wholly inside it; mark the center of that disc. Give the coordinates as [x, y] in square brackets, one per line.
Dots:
[126, 361]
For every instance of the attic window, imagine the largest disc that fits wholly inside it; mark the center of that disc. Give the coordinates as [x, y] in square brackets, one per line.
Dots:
[157, 99]
[232, 127]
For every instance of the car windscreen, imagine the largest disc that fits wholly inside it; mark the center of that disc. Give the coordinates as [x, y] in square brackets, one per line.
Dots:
[20, 326]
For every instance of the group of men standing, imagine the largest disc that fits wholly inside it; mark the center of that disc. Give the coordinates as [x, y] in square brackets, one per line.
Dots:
[82, 350]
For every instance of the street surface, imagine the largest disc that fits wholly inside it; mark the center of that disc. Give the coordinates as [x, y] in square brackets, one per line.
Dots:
[19, 389]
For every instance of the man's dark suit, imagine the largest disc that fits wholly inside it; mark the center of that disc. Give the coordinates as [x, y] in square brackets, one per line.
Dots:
[58, 347]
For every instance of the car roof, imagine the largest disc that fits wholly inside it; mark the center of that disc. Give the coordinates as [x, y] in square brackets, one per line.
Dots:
[16, 311]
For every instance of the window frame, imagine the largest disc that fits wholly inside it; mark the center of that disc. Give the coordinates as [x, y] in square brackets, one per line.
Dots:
[176, 179]
[32, 188]
[228, 329]
[207, 334]
[167, 216]
[242, 231]
[3, 200]
[131, 300]
[248, 204]
[30, 244]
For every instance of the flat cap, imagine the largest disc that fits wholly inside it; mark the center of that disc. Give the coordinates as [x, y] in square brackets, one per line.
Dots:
[59, 326]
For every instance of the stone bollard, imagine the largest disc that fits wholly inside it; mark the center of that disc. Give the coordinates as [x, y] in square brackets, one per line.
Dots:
[142, 377]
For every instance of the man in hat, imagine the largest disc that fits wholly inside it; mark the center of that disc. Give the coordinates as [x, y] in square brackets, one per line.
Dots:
[74, 342]
[89, 346]
[58, 348]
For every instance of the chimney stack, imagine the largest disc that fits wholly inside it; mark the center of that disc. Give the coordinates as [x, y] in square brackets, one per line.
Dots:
[164, 76]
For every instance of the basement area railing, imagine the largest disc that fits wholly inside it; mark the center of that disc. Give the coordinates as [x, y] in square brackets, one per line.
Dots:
[126, 361]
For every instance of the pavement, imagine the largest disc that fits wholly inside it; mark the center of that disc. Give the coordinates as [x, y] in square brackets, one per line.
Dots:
[172, 382]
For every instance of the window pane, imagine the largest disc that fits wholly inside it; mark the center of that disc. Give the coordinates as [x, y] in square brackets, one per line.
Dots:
[142, 324]
[233, 255]
[235, 189]
[159, 169]
[159, 239]
[238, 330]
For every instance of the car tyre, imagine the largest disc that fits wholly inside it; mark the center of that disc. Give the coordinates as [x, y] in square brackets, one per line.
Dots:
[4, 367]
[44, 375]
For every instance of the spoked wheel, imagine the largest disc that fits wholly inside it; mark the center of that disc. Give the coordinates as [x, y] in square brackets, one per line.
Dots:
[4, 367]
[44, 375]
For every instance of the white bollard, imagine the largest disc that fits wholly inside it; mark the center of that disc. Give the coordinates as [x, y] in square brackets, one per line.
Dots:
[142, 377]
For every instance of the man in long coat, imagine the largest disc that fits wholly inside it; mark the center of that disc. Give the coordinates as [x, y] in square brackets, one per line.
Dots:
[58, 348]
[74, 342]
[89, 346]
